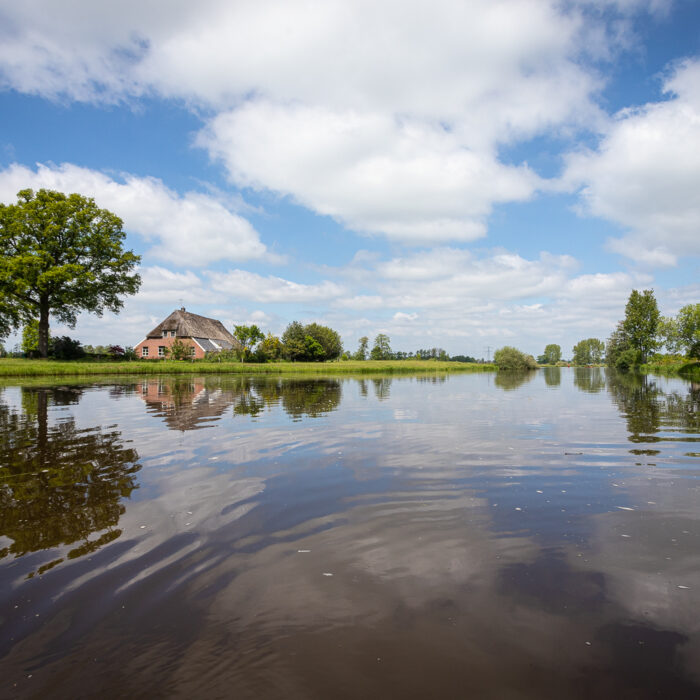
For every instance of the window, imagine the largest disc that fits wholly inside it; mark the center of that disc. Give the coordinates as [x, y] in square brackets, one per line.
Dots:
[144, 351]
[172, 334]
[161, 351]
[191, 349]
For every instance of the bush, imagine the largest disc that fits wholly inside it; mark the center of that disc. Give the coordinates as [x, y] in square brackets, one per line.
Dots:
[512, 358]
[65, 348]
[627, 358]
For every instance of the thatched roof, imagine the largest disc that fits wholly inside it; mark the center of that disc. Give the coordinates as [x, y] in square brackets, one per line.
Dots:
[188, 325]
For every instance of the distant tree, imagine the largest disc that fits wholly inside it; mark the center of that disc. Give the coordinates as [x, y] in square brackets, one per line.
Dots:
[30, 338]
[361, 353]
[65, 348]
[641, 322]
[462, 358]
[60, 254]
[511, 358]
[588, 352]
[382, 348]
[551, 354]
[668, 335]
[311, 343]
[116, 352]
[616, 345]
[689, 329]
[313, 349]
[327, 338]
[271, 347]
[293, 341]
[247, 336]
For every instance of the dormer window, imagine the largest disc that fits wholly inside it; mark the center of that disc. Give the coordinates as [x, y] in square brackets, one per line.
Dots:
[165, 334]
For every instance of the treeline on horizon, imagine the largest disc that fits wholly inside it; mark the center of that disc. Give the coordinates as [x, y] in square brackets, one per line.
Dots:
[633, 342]
[312, 342]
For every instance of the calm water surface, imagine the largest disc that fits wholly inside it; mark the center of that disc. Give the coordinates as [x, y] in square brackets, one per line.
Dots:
[471, 536]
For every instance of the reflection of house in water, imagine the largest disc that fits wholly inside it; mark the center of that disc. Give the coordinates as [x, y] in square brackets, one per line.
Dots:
[187, 404]
[193, 403]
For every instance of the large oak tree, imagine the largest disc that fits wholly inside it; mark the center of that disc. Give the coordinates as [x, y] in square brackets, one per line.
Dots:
[60, 255]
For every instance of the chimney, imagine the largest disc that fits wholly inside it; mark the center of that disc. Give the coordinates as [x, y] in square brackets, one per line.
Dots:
[182, 308]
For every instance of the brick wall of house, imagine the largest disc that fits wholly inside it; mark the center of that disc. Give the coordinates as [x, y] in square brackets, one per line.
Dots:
[154, 343]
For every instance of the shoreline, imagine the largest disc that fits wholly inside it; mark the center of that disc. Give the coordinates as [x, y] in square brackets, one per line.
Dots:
[14, 367]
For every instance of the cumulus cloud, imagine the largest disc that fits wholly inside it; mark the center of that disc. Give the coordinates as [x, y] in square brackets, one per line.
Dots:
[249, 285]
[160, 285]
[374, 173]
[645, 173]
[471, 301]
[193, 229]
[387, 117]
[421, 57]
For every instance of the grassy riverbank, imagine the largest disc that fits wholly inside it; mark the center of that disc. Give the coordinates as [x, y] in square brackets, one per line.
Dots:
[12, 367]
[687, 369]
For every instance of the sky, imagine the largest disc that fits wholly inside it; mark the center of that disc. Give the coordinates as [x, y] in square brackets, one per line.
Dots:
[463, 175]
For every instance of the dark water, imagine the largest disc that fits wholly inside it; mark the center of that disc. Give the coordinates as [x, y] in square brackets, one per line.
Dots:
[475, 536]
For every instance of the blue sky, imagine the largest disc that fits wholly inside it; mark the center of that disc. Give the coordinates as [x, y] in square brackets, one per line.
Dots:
[457, 174]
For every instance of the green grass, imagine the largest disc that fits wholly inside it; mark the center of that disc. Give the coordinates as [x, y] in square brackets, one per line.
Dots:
[13, 367]
[687, 369]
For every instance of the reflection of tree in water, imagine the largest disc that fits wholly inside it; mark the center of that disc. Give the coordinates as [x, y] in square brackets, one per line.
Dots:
[432, 378]
[509, 380]
[382, 387]
[311, 398]
[552, 376]
[59, 484]
[638, 399]
[647, 408]
[189, 404]
[589, 379]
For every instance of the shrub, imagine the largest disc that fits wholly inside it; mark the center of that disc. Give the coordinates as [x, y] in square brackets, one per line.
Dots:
[512, 358]
[627, 358]
[65, 348]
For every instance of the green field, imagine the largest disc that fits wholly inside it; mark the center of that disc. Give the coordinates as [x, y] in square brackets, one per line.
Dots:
[12, 367]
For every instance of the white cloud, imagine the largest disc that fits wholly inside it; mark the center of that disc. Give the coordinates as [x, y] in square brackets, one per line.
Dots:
[386, 116]
[440, 57]
[464, 302]
[407, 180]
[160, 285]
[645, 174]
[241, 284]
[401, 316]
[189, 230]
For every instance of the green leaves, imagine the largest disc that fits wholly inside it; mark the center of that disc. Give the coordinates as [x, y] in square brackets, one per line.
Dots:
[641, 322]
[60, 255]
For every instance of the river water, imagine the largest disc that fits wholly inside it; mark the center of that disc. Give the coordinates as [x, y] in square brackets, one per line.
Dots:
[463, 536]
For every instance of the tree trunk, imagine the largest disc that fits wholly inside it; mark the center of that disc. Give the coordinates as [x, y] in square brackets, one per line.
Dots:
[44, 327]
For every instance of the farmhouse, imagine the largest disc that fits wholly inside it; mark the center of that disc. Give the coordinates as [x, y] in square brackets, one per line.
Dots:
[199, 333]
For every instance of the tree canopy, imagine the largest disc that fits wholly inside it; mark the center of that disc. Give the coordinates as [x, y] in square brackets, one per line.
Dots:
[511, 358]
[641, 322]
[588, 352]
[382, 348]
[552, 354]
[60, 255]
[247, 336]
[311, 343]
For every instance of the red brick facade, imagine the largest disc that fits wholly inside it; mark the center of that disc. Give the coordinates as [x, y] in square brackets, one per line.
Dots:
[152, 346]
